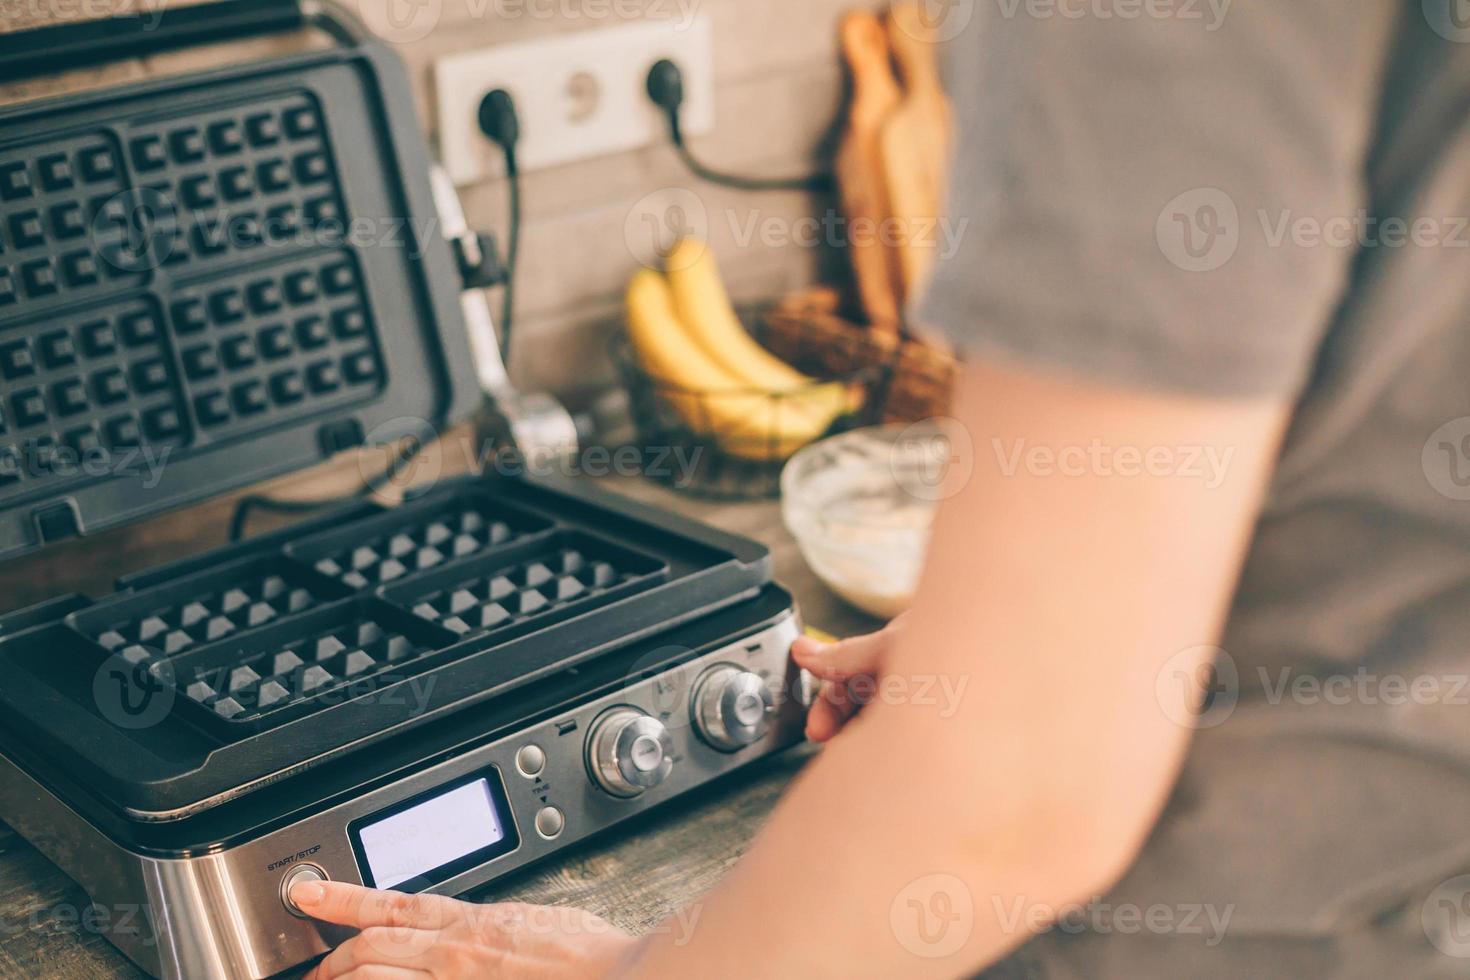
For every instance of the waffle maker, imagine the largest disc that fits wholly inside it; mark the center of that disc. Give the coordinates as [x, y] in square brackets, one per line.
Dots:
[422, 698]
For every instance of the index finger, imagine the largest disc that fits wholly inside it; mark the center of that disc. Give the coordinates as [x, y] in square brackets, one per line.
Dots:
[858, 656]
[363, 908]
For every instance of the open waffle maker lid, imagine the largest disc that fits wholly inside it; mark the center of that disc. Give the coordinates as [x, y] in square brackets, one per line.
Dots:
[215, 277]
[223, 687]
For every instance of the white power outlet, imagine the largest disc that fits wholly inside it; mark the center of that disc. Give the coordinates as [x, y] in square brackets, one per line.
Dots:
[577, 96]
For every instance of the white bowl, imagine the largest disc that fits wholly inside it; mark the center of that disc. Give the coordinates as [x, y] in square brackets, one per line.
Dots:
[860, 509]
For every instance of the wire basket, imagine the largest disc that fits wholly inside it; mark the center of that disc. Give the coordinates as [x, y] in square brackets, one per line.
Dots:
[809, 327]
[675, 420]
[688, 444]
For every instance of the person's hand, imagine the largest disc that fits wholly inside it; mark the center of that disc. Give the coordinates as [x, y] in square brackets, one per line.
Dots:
[845, 668]
[415, 937]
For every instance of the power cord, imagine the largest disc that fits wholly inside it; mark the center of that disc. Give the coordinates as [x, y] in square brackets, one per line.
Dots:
[498, 121]
[666, 89]
[403, 456]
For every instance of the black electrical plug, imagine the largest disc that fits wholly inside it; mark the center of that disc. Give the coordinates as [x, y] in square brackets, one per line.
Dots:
[498, 119]
[499, 122]
[665, 87]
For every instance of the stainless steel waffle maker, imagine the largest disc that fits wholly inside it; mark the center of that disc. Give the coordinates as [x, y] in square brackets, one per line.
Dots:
[421, 698]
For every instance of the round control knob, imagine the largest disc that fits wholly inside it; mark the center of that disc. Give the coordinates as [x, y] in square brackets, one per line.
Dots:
[297, 875]
[732, 707]
[628, 752]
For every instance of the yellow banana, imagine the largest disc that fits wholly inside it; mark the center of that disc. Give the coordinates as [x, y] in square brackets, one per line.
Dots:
[703, 305]
[708, 397]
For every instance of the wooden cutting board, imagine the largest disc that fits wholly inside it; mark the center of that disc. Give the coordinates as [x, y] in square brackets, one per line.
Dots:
[860, 169]
[916, 143]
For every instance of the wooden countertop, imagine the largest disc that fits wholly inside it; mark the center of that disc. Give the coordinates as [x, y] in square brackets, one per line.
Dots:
[633, 878]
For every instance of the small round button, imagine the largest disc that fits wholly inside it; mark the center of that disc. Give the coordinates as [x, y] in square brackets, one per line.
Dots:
[550, 822]
[298, 874]
[530, 760]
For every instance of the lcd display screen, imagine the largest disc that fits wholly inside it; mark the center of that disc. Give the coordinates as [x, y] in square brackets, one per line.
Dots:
[434, 836]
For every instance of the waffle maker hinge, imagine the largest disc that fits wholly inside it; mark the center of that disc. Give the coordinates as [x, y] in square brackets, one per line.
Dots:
[535, 424]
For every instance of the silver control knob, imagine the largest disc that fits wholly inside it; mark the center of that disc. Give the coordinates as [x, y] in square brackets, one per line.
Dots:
[628, 752]
[732, 707]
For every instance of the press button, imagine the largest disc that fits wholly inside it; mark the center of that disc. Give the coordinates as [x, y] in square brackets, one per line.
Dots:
[550, 822]
[530, 760]
[297, 875]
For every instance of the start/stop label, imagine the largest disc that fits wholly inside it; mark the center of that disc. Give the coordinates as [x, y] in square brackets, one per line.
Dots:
[291, 859]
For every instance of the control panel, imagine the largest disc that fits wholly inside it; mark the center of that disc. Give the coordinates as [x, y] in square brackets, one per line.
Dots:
[463, 822]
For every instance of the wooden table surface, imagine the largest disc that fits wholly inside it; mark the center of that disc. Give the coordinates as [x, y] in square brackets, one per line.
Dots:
[633, 878]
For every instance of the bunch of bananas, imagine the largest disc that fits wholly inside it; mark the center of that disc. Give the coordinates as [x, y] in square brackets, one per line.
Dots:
[722, 383]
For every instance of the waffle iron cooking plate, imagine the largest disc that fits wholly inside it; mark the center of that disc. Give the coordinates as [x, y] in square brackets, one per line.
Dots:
[200, 682]
[230, 273]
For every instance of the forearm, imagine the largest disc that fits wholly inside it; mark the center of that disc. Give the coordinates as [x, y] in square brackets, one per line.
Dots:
[1040, 754]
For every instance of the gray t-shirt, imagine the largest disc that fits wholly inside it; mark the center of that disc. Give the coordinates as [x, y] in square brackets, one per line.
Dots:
[1262, 198]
